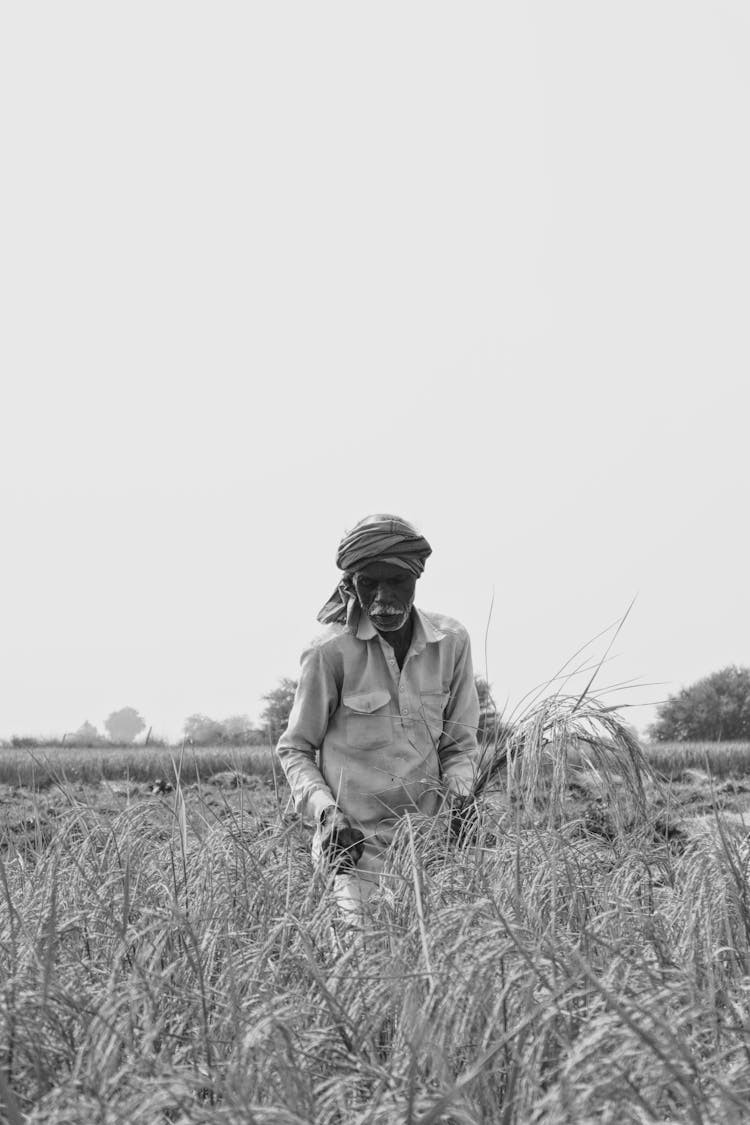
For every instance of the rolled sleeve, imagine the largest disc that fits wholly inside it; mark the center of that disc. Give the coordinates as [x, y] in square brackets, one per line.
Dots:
[457, 750]
[314, 703]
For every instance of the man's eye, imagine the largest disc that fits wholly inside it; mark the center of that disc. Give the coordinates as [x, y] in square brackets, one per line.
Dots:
[366, 582]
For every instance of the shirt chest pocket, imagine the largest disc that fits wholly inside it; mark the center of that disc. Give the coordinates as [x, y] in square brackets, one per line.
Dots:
[433, 704]
[368, 722]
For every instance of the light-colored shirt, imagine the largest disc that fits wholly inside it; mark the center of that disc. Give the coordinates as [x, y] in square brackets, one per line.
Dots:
[377, 740]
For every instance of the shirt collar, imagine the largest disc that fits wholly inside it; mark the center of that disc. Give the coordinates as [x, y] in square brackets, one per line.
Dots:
[424, 632]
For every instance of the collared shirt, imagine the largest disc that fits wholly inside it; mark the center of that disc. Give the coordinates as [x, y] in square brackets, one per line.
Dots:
[378, 740]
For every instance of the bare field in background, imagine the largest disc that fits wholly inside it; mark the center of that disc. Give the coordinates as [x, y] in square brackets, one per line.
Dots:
[171, 956]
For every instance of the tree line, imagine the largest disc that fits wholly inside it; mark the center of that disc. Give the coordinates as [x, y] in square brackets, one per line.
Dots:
[123, 727]
[713, 709]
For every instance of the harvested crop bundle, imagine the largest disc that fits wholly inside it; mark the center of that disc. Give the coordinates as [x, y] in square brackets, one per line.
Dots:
[566, 741]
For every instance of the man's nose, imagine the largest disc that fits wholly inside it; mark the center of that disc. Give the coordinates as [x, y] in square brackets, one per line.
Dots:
[383, 592]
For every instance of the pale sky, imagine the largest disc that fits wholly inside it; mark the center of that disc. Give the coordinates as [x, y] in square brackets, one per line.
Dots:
[266, 268]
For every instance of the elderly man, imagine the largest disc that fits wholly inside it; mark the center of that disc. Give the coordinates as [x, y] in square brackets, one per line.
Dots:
[385, 717]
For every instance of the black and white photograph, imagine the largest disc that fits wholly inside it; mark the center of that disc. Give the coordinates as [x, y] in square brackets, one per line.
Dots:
[375, 616]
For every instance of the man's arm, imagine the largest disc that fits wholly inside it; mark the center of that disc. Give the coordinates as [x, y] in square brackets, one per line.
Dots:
[457, 750]
[316, 699]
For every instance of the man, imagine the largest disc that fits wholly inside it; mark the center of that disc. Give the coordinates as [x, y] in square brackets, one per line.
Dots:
[385, 716]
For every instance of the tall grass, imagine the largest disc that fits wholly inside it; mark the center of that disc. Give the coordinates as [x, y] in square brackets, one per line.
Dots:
[39, 768]
[720, 759]
[195, 972]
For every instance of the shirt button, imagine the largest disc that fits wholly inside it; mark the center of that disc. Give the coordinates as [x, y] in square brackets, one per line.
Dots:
[404, 710]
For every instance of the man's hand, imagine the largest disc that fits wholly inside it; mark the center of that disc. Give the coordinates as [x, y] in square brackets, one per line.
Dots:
[463, 812]
[342, 845]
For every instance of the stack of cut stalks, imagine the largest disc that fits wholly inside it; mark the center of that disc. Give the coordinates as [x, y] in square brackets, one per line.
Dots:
[555, 744]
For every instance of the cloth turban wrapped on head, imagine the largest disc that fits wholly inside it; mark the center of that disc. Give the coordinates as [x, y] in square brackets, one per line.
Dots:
[375, 539]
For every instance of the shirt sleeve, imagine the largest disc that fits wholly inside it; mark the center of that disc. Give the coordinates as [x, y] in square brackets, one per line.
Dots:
[458, 750]
[315, 701]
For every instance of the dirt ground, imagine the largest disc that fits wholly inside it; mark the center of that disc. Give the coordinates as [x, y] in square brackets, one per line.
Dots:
[684, 807]
[32, 817]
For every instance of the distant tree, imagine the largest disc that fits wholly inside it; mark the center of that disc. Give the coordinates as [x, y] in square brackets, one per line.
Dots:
[237, 730]
[490, 720]
[203, 731]
[278, 705]
[487, 709]
[86, 735]
[124, 725]
[716, 708]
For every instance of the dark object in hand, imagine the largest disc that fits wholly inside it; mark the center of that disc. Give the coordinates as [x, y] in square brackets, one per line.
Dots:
[463, 819]
[342, 844]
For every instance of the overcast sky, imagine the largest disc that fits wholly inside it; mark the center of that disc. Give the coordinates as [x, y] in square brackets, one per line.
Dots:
[268, 267]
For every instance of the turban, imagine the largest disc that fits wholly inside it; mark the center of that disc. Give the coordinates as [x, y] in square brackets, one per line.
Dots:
[381, 539]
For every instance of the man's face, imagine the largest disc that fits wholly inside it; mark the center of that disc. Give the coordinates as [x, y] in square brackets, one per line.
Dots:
[386, 592]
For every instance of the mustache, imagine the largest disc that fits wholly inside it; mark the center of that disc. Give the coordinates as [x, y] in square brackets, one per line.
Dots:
[386, 610]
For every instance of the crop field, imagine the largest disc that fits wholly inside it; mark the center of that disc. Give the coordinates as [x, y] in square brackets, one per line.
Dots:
[168, 953]
[718, 759]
